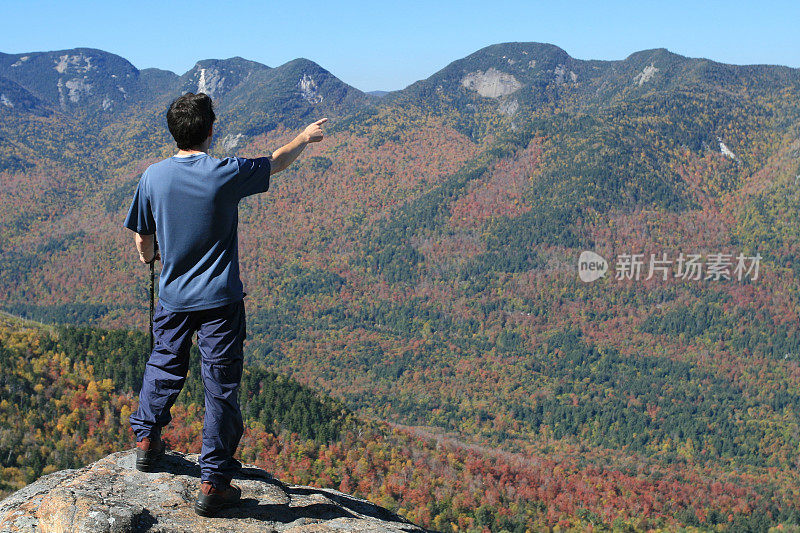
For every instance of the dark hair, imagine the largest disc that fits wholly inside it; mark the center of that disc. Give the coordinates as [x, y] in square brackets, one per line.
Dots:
[189, 119]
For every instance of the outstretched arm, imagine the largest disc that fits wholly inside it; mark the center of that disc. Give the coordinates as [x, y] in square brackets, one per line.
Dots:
[285, 155]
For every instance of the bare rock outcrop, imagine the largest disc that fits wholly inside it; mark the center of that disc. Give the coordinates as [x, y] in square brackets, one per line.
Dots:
[492, 83]
[110, 495]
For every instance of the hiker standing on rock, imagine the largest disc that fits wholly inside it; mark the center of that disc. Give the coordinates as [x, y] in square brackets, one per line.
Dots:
[190, 203]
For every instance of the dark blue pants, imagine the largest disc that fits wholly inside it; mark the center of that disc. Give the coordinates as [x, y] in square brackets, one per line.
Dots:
[220, 335]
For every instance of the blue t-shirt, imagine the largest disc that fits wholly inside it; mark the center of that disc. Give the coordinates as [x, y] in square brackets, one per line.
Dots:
[192, 205]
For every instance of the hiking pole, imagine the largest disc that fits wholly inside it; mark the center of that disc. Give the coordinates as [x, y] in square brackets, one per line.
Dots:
[152, 298]
[152, 289]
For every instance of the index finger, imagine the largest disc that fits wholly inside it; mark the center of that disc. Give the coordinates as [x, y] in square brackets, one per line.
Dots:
[321, 121]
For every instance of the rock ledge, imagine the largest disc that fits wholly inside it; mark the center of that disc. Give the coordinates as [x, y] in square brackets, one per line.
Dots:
[110, 495]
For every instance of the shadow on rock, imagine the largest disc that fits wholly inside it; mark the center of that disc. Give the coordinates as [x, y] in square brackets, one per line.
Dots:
[251, 508]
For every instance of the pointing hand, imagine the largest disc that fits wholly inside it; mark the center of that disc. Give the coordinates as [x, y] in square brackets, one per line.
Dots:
[313, 132]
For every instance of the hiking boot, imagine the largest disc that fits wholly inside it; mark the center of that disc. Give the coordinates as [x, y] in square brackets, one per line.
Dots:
[210, 499]
[148, 452]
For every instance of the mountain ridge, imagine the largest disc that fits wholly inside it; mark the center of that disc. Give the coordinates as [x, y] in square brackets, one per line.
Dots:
[547, 57]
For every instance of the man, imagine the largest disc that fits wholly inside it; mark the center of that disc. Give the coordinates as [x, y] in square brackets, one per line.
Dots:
[190, 203]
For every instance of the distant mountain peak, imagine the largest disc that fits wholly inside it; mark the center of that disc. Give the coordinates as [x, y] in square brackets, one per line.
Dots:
[303, 62]
[499, 70]
[216, 77]
[653, 53]
[74, 77]
[523, 54]
[313, 83]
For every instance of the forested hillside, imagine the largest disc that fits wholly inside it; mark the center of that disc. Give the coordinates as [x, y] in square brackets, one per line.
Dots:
[420, 265]
[68, 391]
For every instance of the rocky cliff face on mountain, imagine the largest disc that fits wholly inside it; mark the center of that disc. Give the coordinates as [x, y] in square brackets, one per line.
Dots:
[110, 495]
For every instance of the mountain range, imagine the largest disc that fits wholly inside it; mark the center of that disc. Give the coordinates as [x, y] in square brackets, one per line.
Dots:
[420, 264]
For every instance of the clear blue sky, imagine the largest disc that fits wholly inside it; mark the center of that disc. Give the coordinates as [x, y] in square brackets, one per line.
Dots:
[388, 45]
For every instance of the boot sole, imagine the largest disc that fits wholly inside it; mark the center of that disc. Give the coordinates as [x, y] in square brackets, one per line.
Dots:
[148, 464]
[211, 510]
[208, 509]
[145, 467]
